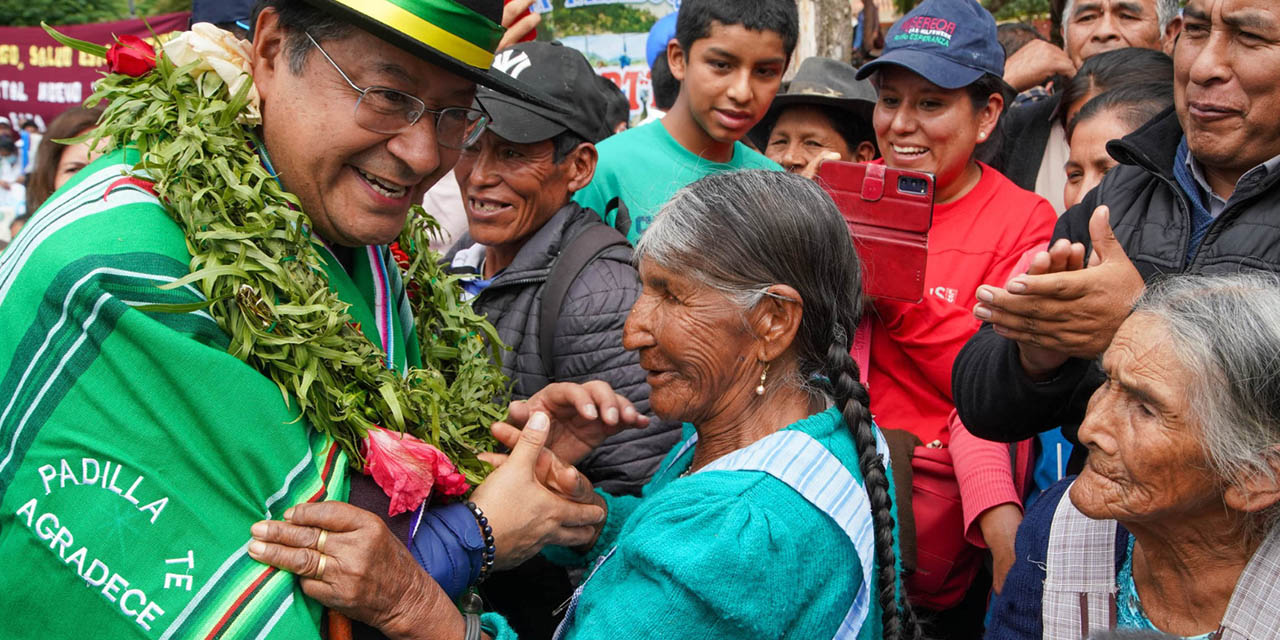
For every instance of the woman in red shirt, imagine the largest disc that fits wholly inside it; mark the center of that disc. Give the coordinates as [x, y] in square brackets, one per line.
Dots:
[940, 99]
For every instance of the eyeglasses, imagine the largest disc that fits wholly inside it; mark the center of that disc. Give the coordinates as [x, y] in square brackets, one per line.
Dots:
[384, 110]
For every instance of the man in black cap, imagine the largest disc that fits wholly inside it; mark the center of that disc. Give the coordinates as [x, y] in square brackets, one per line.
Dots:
[555, 280]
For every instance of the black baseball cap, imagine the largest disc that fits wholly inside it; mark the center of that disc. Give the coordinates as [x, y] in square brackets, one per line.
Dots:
[950, 43]
[561, 74]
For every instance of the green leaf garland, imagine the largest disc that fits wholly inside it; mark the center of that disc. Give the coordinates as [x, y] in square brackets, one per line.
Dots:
[253, 258]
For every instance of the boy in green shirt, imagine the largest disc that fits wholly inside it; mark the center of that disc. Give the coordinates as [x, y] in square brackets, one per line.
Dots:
[729, 56]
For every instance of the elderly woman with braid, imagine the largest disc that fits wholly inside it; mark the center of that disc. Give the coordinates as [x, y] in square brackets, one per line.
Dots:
[774, 517]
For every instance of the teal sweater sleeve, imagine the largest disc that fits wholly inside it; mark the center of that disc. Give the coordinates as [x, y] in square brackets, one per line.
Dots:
[619, 509]
[728, 554]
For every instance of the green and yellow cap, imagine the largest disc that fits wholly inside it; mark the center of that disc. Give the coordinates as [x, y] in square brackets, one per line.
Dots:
[459, 35]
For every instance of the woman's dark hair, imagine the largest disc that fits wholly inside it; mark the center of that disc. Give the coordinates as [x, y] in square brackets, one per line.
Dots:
[665, 86]
[980, 91]
[1113, 69]
[744, 231]
[619, 110]
[44, 171]
[778, 16]
[1134, 104]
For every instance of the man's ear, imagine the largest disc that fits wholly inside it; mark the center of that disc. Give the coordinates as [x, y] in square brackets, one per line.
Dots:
[268, 50]
[1255, 492]
[866, 152]
[580, 166]
[1171, 33]
[775, 321]
[675, 59]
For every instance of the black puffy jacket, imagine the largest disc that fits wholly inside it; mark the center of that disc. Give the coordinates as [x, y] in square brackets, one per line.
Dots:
[588, 340]
[1151, 217]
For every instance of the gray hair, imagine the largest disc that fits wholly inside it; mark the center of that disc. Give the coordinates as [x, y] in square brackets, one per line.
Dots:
[1166, 11]
[743, 231]
[1226, 331]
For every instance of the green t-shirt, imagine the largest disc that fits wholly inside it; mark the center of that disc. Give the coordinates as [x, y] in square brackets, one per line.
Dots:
[645, 166]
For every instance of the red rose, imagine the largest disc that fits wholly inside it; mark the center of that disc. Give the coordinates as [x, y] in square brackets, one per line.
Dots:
[131, 56]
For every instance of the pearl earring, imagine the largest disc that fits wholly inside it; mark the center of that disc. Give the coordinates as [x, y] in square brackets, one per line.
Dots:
[763, 375]
[982, 136]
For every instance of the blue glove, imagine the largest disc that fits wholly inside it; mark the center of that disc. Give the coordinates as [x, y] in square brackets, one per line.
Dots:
[447, 543]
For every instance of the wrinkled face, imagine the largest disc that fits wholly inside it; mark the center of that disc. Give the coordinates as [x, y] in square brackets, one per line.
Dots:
[1089, 160]
[694, 344]
[356, 185]
[923, 127]
[802, 133]
[729, 78]
[1146, 463]
[510, 190]
[1226, 69]
[1095, 26]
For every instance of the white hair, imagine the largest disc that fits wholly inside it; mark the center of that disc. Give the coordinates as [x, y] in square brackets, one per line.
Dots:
[1166, 11]
[1226, 331]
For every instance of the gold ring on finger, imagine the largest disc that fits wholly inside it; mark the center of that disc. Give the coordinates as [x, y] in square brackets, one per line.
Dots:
[324, 534]
[320, 567]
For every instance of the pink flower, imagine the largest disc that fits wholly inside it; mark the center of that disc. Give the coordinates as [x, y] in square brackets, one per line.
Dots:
[407, 469]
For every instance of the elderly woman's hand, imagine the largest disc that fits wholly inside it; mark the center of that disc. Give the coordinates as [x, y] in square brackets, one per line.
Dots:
[348, 560]
[582, 415]
[533, 500]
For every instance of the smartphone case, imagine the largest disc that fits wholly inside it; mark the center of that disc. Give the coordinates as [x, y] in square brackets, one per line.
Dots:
[889, 213]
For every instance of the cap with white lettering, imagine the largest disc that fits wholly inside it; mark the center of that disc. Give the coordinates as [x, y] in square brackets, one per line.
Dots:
[950, 43]
[558, 72]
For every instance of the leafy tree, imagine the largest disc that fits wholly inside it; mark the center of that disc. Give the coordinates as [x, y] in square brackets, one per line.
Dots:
[30, 12]
[609, 18]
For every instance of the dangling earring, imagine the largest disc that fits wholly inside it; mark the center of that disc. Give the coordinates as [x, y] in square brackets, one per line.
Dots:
[763, 375]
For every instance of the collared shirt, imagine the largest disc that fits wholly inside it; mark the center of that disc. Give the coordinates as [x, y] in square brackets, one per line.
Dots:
[469, 264]
[1216, 202]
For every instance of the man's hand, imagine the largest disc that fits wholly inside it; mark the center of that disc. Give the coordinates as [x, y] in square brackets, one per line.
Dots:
[1068, 313]
[358, 568]
[525, 515]
[811, 169]
[582, 416]
[1035, 62]
[519, 22]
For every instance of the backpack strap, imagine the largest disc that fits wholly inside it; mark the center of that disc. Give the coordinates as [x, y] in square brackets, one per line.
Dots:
[579, 251]
[1080, 575]
[622, 221]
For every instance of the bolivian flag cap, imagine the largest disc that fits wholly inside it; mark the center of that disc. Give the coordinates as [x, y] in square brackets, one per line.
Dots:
[459, 35]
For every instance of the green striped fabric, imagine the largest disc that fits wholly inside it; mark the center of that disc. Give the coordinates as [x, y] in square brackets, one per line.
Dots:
[135, 453]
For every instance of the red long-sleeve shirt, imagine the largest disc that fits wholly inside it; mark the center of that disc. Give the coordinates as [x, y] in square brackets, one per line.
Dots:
[975, 240]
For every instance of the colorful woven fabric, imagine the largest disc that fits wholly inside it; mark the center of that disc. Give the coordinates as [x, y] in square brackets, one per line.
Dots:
[135, 453]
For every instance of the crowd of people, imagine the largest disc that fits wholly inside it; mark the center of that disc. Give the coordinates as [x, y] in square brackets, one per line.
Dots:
[715, 429]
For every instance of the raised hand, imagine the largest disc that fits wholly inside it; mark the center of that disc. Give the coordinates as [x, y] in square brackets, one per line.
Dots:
[1069, 313]
[582, 416]
[525, 515]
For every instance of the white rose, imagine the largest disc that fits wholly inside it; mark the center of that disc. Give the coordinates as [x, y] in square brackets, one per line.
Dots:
[222, 53]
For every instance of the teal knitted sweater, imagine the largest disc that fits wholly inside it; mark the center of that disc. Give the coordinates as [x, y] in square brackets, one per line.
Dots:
[720, 554]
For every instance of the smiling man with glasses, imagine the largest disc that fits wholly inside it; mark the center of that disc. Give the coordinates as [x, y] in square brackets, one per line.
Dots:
[169, 419]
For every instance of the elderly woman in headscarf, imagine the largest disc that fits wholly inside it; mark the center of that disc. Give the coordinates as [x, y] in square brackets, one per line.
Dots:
[1171, 527]
[774, 517]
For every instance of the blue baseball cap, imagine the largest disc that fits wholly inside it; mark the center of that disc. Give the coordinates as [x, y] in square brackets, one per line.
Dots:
[951, 43]
[659, 35]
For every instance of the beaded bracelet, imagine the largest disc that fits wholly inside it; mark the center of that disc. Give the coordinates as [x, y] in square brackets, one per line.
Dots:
[490, 551]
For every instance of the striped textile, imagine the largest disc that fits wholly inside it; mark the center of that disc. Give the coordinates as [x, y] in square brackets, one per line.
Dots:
[1080, 583]
[801, 462]
[135, 452]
